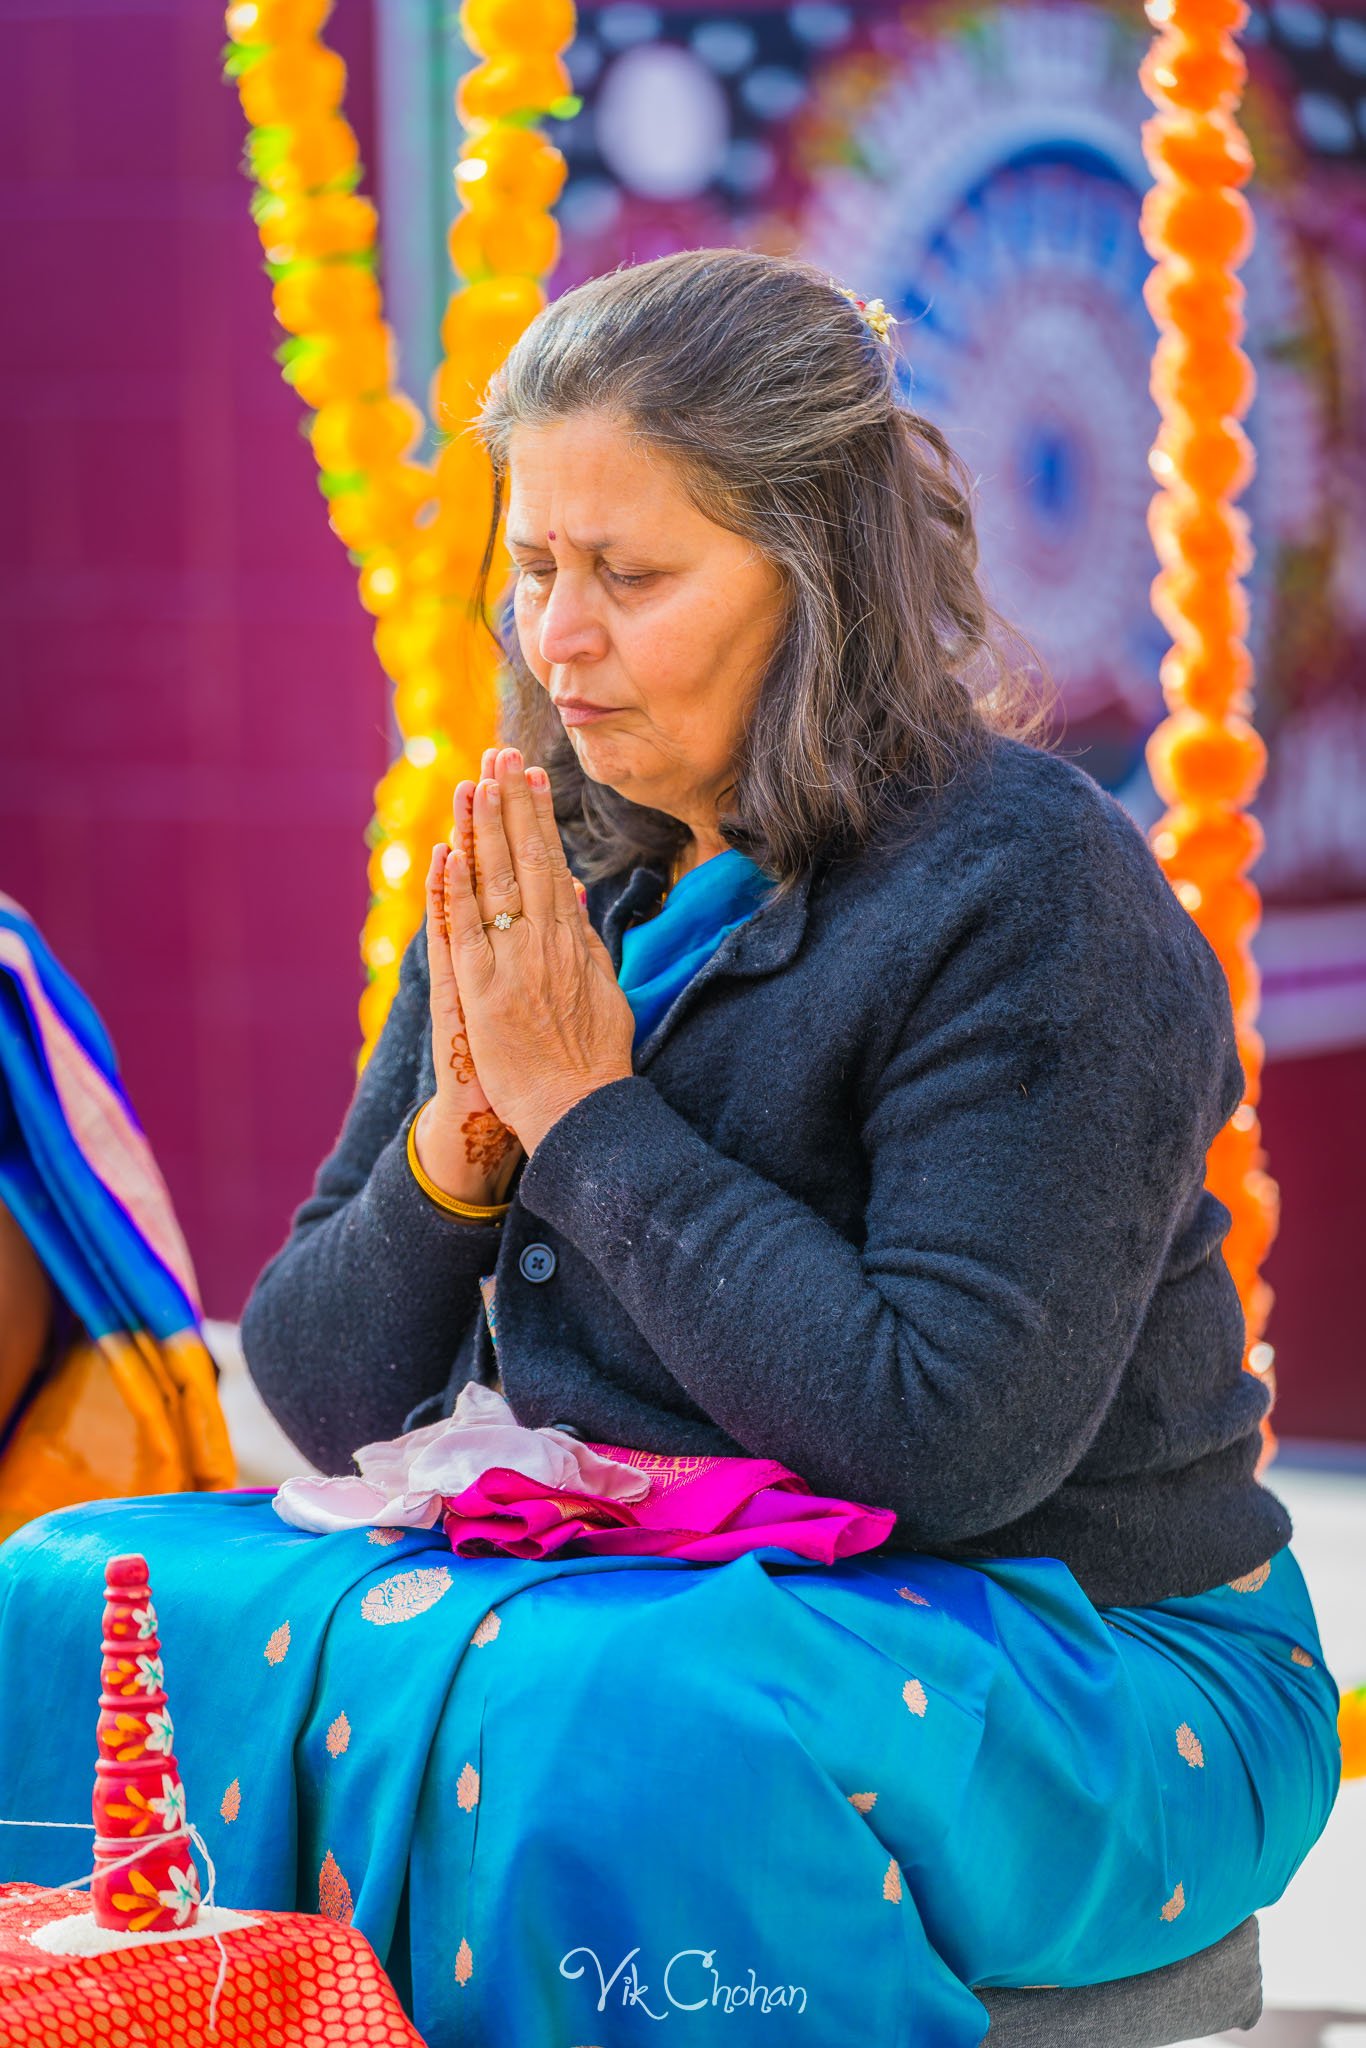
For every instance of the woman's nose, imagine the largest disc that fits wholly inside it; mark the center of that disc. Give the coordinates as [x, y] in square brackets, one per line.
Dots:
[569, 629]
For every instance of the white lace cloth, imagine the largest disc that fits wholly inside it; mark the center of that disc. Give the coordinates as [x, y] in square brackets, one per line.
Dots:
[404, 1483]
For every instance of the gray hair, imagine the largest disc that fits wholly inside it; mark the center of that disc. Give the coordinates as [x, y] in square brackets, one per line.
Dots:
[781, 410]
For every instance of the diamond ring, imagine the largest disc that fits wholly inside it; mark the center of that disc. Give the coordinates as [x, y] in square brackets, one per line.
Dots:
[503, 921]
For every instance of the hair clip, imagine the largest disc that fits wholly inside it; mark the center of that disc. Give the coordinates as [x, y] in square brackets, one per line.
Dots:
[874, 313]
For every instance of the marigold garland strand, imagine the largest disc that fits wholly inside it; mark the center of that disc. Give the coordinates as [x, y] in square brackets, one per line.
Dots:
[416, 530]
[1206, 758]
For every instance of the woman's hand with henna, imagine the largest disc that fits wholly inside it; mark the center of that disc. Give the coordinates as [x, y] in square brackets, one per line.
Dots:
[546, 1019]
[466, 1149]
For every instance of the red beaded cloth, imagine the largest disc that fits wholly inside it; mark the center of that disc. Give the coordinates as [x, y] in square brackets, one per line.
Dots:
[293, 1978]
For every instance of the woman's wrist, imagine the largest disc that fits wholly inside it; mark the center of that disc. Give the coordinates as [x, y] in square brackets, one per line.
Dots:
[436, 1157]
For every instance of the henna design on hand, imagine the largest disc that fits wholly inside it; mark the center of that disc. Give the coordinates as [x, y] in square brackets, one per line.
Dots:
[470, 852]
[461, 1062]
[487, 1139]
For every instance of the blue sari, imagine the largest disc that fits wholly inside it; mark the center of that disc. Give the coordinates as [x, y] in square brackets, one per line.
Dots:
[767, 1800]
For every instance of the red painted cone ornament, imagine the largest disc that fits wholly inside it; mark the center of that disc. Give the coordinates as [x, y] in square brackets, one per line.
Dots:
[139, 1802]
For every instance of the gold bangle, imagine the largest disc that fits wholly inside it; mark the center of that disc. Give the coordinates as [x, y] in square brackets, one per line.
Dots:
[472, 1212]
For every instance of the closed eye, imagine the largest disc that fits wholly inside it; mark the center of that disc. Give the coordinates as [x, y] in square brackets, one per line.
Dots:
[526, 569]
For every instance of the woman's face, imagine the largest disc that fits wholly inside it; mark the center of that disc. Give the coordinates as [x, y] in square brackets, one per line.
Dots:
[629, 598]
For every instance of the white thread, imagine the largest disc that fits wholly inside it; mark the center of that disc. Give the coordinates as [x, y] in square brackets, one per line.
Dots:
[75, 1884]
[222, 1976]
[188, 1833]
[87, 1825]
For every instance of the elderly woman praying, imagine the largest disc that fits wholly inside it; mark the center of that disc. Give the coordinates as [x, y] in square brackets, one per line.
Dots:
[801, 1062]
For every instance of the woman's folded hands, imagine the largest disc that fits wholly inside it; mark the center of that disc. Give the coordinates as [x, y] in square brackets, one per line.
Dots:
[527, 1018]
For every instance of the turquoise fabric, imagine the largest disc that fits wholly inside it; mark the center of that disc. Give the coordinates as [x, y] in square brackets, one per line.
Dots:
[659, 957]
[764, 1801]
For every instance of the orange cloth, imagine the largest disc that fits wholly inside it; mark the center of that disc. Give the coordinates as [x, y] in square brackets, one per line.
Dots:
[294, 1978]
[119, 1415]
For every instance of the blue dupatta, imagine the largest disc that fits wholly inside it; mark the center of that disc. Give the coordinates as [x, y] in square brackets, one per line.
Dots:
[660, 957]
[78, 1176]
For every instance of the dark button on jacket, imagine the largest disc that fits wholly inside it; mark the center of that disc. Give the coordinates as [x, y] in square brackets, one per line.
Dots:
[906, 1190]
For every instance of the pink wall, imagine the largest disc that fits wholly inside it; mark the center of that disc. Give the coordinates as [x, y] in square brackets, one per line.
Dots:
[1314, 1130]
[192, 719]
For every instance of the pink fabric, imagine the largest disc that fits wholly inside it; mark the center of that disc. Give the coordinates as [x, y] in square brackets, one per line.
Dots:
[498, 1487]
[709, 1509]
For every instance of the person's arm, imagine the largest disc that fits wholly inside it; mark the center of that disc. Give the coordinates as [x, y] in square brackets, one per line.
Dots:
[358, 1317]
[1035, 1129]
[25, 1313]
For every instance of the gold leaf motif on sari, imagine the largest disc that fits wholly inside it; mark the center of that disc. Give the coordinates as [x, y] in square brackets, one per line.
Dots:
[891, 1883]
[487, 1629]
[406, 1595]
[334, 1893]
[864, 1801]
[1253, 1581]
[231, 1803]
[467, 1789]
[916, 1599]
[338, 1736]
[1299, 1656]
[384, 1537]
[913, 1692]
[1175, 1904]
[1190, 1746]
[277, 1649]
[464, 1963]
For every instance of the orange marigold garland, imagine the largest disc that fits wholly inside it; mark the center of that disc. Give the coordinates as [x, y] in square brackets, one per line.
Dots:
[1352, 1732]
[502, 241]
[1206, 758]
[415, 530]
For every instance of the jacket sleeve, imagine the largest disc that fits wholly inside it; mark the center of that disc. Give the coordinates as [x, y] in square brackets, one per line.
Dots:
[1035, 1129]
[359, 1315]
